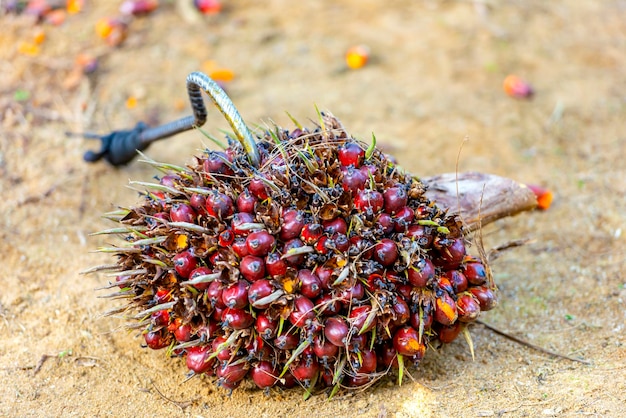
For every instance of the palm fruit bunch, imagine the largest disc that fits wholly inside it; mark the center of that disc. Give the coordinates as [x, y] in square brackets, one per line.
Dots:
[325, 266]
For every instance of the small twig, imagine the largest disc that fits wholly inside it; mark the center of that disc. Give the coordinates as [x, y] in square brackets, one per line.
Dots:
[40, 363]
[182, 405]
[531, 345]
[38, 197]
[496, 252]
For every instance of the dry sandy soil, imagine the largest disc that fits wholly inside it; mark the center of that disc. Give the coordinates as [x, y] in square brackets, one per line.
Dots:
[435, 79]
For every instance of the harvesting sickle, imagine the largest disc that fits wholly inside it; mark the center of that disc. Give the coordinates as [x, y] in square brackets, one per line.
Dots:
[120, 147]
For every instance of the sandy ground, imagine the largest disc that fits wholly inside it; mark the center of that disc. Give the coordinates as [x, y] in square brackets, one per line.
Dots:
[434, 80]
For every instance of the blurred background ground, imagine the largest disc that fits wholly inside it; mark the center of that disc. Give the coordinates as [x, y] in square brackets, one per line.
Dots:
[434, 79]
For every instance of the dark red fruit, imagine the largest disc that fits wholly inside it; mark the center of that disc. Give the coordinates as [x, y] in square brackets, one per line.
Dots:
[181, 212]
[451, 255]
[403, 219]
[353, 294]
[361, 320]
[322, 246]
[447, 334]
[236, 295]
[310, 285]
[325, 275]
[293, 222]
[296, 259]
[336, 331]
[445, 310]
[198, 359]
[160, 318]
[252, 268]
[353, 179]
[417, 318]
[468, 308]
[183, 333]
[444, 284]
[214, 295]
[258, 188]
[395, 199]
[237, 318]
[287, 341]
[223, 353]
[324, 349]
[334, 226]
[184, 263]
[406, 342]
[259, 290]
[241, 219]
[157, 339]
[421, 272]
[421, 234]
[369, 201]
[264, 374]
[265, 326]
[275, 265]
[302, 311]
[239, 247]
[232, 372]
[351, 154]
[361, 246]
[485, 296]
[305, 370]
[219, 205]
[226, 238]
[200, 271]
[475, 273]
[260, 243]
[217, 162]
[357, 343]
[246, 201]
[386, 252]
[387, 356]
[328, 305]
[385, 224]
[401, 312]
[457, 280]
[198, 202]
[339, 242]
[366, 362]
[311, 233]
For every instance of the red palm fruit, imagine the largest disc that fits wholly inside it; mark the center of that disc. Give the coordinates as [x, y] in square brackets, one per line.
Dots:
[350, 154]
[287, 341]
[324, 349]
[305, 370]
[385, 223]
[265, 326]
[401, 312]
[302, 311]
[326, 376]
[405, 290]
[448, 333]
[275, 265]
[369, 170]
[293, 221]
[169, 180]
[198, 359]
[359, 245]
[334, 226]
[336, 331]
[367, 362]
[239, 219]
[287, 381]
[183, 333]
[208, 7]
[386, 252]
[444, 284]
[258, 290]
[468, 307]
[485, 296]
[353, 294]
[181, 212]
[426, 317]
[258, 188]
[246, 201]
[368, 200]
[232, 372]
[360, 319]
[157, 339]
[387, 357]
[216, 315]
[310, 285]
[239, 247]
[217, 162]
[237, 318]
[322, 246]
[184, 264]
[264, 374]
[328, 305]
[406, 342]
[252, 268]
[198, 203]
[325, 275]
[356, 381]
[226, 238]
[452, 254]
[421, 272]
[421, 234]
[311, 233]
[340, 242]
[259, 243]
[475, 273]
[219, 205]
[353, 179]
[445, 310]
[293, 260]
[395, 199]
[457, 280]
[214, 295]
[209, 330]
[160, 318]
[357, 343]
[236, 295]
[162, 295]
[403, 219]
[223, 354]
[201, 271]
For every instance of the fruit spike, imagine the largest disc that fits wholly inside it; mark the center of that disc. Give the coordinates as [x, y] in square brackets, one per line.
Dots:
[284, 273]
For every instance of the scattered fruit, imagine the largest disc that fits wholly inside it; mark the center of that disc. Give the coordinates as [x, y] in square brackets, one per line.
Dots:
[544, 196]
[517, 88]
[357, 56]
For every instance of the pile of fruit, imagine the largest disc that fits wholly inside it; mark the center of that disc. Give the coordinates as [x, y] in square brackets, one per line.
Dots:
[326, 266]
